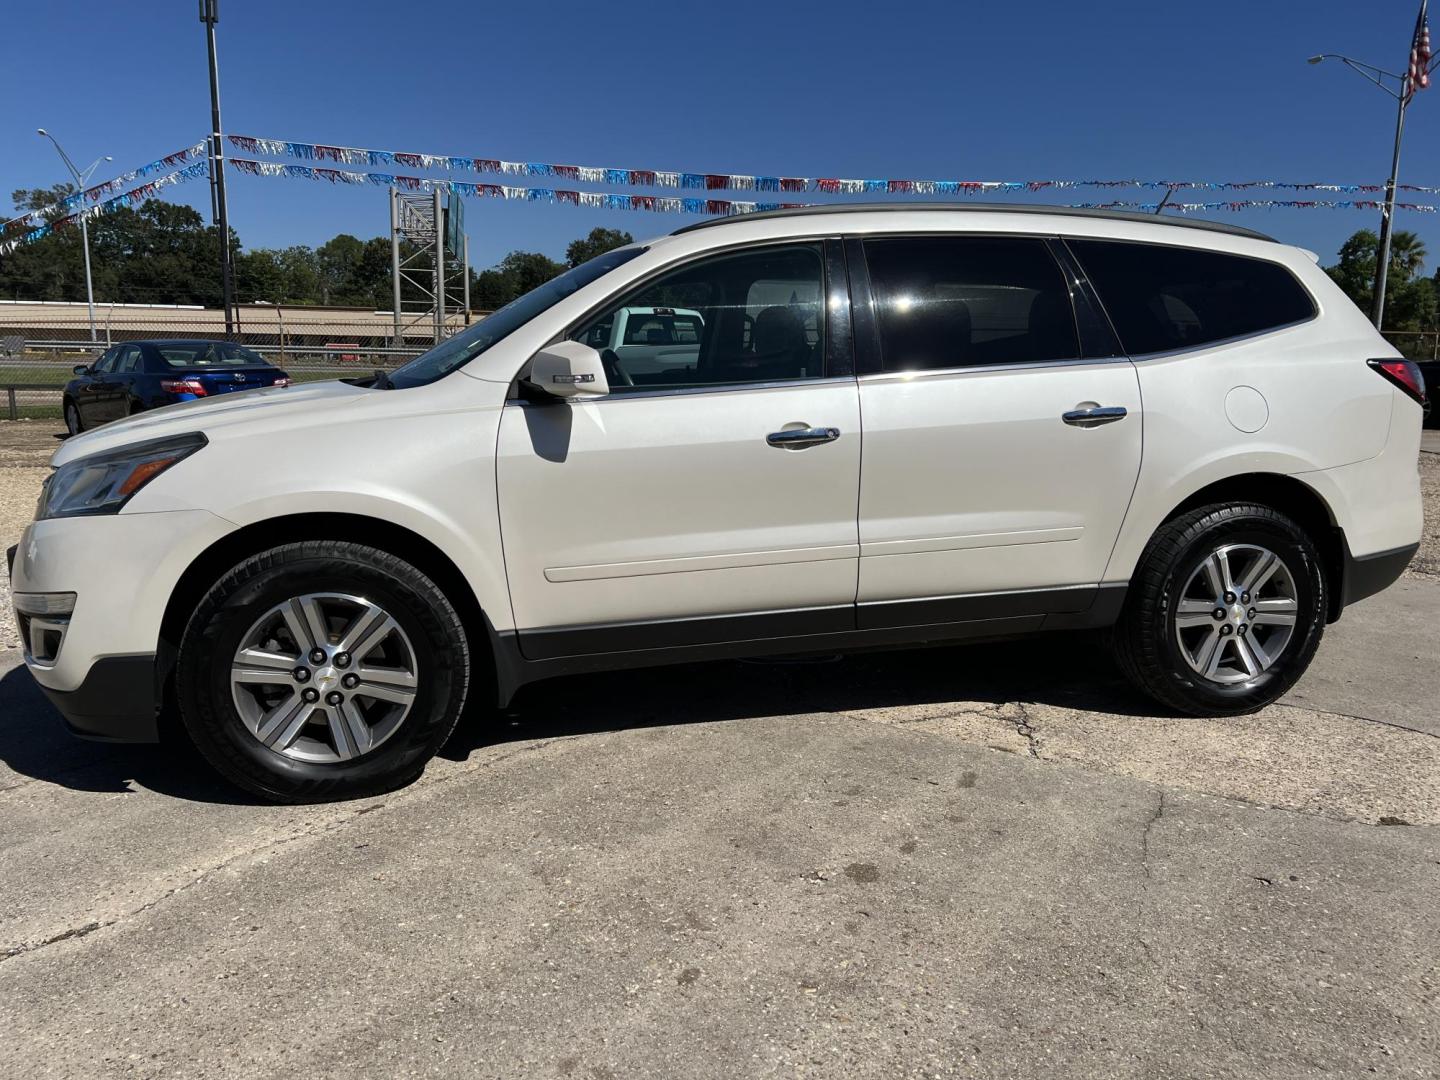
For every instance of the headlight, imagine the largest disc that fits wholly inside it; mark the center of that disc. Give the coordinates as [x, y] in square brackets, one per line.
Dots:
[103, 483]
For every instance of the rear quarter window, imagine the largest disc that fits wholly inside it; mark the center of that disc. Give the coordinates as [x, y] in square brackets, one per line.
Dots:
[1163, 298]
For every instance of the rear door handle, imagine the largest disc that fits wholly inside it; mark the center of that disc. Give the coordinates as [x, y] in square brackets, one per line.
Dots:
[1102, 414]
[798, 437]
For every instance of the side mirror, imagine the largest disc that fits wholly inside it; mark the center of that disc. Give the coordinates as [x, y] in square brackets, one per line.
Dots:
[568, 369]
[81, 369]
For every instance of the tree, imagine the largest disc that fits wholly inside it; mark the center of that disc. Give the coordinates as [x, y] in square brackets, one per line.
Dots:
[163, 253]
[336, 260]
[597, 243]
[1411, 306]
[1355, 272]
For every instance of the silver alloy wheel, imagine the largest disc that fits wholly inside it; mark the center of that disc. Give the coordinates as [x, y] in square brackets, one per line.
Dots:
[324, 677]
[1236, 615]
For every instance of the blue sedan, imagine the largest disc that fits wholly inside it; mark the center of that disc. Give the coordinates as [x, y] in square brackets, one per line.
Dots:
[139, 375]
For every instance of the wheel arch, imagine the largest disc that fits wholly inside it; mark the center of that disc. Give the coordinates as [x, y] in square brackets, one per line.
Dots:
[207, 567]
[1293, 498]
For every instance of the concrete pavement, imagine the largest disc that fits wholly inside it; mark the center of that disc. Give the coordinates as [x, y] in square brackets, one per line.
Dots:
[969, 862]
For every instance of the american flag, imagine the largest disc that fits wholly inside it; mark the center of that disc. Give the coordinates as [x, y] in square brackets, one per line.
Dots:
[1419, 74]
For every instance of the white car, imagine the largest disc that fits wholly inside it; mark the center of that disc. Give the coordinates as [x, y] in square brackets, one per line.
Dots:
[648, 345]
[999, 421]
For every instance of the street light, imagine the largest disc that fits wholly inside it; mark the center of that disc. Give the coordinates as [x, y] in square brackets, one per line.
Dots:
[80, 180]
[1380, 77]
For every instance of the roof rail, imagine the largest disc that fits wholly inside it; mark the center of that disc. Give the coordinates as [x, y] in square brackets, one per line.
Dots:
[992, 208]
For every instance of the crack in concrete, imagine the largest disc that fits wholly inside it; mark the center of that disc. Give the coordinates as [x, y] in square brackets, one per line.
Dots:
[1026, 730]
[1145, 835]
[1291, 704]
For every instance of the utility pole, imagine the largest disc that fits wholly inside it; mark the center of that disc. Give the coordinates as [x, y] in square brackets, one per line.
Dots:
[210, 15]
[1416, 77]
[1387, 216]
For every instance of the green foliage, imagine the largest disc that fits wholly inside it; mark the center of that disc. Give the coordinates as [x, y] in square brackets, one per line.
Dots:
[1410, 300]
[161, 253]
[27, 199]
[597, 243]
[156, 253]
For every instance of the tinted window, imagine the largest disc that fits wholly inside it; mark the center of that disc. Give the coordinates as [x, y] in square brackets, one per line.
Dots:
[129, 359]
[664, 327]
[188, 354]
[956, 301]
[1162, 298]
[753, 316]
[107, 362]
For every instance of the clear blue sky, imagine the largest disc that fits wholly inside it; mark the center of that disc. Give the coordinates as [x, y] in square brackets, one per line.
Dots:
[986, 90]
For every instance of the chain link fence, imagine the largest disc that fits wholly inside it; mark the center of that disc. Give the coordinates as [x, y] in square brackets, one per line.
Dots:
[1416, 344]
[41, 343]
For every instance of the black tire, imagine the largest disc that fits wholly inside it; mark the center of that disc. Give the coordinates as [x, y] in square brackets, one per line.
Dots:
[428, 619]
[1145, 642]
[73, 424]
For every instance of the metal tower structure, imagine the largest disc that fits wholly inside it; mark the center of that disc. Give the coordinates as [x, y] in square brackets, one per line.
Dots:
[430, 278]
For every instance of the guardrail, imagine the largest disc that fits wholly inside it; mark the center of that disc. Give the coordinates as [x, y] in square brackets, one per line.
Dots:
[12, 399]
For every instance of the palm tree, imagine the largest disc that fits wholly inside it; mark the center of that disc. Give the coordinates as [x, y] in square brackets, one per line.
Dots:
[1407, 255]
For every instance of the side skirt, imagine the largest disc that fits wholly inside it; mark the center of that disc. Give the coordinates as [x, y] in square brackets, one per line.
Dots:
[845, 628]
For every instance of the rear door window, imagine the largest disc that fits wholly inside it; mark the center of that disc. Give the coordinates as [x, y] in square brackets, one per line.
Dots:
[1162, 298]
[963, 301]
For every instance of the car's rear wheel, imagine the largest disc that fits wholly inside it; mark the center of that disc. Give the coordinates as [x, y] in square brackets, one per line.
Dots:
[322, 670]
[1225, 611]
[73, 423]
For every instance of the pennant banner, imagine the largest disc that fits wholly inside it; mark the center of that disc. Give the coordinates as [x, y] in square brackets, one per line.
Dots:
[722, 207]
[109, 187]
[129, 198]
[592, 174]
[605, 200]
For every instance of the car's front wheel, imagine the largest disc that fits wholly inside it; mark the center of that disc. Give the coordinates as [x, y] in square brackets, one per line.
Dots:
[1225, 610]
[322, 670]
[73, 423]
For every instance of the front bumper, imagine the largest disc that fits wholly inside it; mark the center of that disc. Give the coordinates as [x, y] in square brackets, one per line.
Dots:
[118, 701]
[122, 569]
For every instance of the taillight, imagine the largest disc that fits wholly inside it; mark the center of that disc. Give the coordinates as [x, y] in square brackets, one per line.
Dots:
[183, 386]
[1403, 373]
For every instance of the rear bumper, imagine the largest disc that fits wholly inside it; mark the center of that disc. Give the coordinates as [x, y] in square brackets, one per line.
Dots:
[1367, 575]
[116, 701]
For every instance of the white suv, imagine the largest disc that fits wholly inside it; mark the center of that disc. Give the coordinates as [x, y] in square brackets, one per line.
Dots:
[901, 425]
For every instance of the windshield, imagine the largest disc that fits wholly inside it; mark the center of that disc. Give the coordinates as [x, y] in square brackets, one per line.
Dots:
[202, 354]
[459, 350]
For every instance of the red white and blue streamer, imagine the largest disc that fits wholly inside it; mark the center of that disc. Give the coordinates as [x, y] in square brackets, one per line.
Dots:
[109, 187]
[145, 191]
[665, 178]
[720, 207]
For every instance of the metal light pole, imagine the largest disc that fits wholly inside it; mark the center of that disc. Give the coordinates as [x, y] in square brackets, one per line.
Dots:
[81, 178]
[210, 15]
[1402, 96]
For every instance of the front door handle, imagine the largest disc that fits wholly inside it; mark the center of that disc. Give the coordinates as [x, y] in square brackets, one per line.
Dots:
[1094, 417]
[806, 436]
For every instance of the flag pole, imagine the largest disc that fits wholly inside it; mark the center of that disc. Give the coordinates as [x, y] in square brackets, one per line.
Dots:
[1416, 77]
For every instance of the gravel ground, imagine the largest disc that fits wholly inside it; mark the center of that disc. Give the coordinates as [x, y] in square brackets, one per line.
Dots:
[1427, 562]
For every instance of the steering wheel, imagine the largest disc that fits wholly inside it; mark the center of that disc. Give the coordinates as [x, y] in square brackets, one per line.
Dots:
[614, 373]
